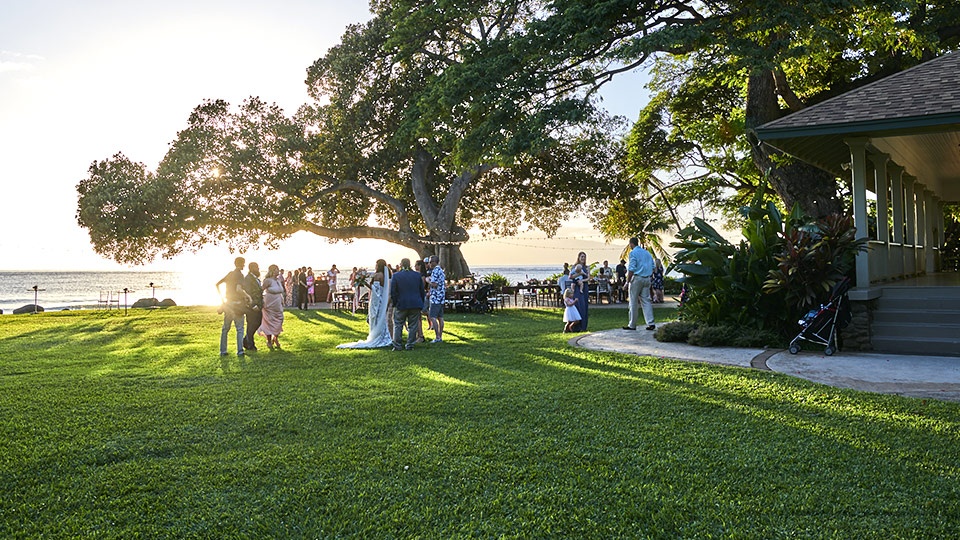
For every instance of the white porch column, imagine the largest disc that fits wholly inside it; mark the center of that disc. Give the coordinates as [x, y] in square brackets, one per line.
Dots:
[910, 210]
[895, 261]
[921, 255]
[931, 218]
[896, 189]
[881, 185]
[858, 158]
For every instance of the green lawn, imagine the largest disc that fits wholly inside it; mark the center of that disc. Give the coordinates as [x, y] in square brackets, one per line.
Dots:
[118, 426]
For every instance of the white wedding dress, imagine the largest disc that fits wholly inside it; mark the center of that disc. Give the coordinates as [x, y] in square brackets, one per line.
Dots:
[379, 335]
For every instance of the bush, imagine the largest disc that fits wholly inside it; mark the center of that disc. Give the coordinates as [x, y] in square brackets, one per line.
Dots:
[675, 332]
[782, 265]
[712, 336]
[497, 280]
[732, 336]
[762, 338]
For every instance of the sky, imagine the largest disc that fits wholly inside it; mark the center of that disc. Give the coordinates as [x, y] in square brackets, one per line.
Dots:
[83, 80]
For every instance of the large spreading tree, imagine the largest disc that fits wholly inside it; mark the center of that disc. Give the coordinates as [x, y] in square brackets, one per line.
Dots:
[391, 148]
[720, 69]
[438, 116]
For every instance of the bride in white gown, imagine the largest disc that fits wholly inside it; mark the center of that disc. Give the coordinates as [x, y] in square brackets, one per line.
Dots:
[379, 336]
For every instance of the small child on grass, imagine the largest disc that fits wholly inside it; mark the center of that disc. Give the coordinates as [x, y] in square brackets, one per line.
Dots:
[571, 315]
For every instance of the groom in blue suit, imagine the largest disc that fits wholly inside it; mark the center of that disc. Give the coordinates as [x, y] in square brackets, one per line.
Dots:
[406, 293]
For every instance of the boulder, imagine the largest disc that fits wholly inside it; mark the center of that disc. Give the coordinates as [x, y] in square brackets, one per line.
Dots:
[145, 303]
[167, 302]
[29, 308]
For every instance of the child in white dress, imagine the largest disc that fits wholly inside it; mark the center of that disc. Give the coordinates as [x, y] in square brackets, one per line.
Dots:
[571, 315]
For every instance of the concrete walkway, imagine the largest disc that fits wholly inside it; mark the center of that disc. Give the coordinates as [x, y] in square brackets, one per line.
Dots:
[936, 377]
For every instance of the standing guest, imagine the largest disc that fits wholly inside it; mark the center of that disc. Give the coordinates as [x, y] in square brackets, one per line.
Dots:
[570, 314]
[564, 280]
[332, 282]
[579, 275]
[302, 288]
[234, 305]
[295, 288]
[311, 286]
[656, 282]
[604, 281]
[438, 293]
[251, 285]
[406, 294]
[272, 324]
[621, 281]
[639, 272]
[421, 268]
[283, 283]
[288, 289]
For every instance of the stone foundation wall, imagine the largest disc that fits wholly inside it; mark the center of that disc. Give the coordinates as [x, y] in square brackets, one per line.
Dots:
[856, 336]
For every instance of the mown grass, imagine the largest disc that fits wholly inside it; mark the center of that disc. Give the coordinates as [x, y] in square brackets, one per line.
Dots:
[131, 426]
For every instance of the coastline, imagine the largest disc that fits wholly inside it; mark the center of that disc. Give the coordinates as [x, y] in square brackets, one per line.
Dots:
[80, 290]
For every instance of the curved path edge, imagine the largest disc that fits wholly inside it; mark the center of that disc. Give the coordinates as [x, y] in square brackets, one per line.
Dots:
[936, 377]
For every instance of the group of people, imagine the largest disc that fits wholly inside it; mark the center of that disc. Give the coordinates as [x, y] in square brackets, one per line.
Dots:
[398, 299]
[257, 303]
[620, 287]
[301, 285]
[641, 279]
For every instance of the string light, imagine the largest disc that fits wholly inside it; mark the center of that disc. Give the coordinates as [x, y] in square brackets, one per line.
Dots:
[557, 248]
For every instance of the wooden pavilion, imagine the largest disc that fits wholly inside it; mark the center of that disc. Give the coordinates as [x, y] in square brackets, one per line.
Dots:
[898, 139]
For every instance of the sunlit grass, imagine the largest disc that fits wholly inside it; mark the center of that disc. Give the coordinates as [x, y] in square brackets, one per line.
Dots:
[124, 426]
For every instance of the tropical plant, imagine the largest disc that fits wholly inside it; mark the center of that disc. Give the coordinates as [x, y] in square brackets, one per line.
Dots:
[782, 266]
[497, 280]
[726, 280]
[814, 258]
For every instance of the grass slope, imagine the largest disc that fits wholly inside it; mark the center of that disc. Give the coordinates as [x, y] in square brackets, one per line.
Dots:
[131, 426]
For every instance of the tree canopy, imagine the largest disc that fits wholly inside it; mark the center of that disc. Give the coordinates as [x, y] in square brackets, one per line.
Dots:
[436, 117]
[389, 148]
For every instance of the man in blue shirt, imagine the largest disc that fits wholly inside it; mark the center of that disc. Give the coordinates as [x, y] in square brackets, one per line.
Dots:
[406, 294]
[639, 271]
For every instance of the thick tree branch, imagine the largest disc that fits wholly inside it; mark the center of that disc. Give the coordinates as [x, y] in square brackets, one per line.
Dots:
[395, 204]
[448, 210]
[424, 166]
[405, 238]
[784, 91]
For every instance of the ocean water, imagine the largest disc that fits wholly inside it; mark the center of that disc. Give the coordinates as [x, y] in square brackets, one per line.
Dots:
[82, 290]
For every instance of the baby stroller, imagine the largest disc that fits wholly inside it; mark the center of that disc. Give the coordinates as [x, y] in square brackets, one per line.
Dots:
[822, 325]
[480, 302]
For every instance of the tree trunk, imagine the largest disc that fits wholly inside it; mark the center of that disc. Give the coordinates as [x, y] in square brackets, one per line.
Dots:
[453, 262]
[795, 181]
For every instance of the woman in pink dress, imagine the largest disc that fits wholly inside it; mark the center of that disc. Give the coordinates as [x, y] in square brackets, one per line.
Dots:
[311, 279]
[272, 324]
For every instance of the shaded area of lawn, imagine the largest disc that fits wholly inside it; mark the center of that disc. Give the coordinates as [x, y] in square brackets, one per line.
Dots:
[124, 426]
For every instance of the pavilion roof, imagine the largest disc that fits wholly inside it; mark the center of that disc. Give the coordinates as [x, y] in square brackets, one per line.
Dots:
[913, 116]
